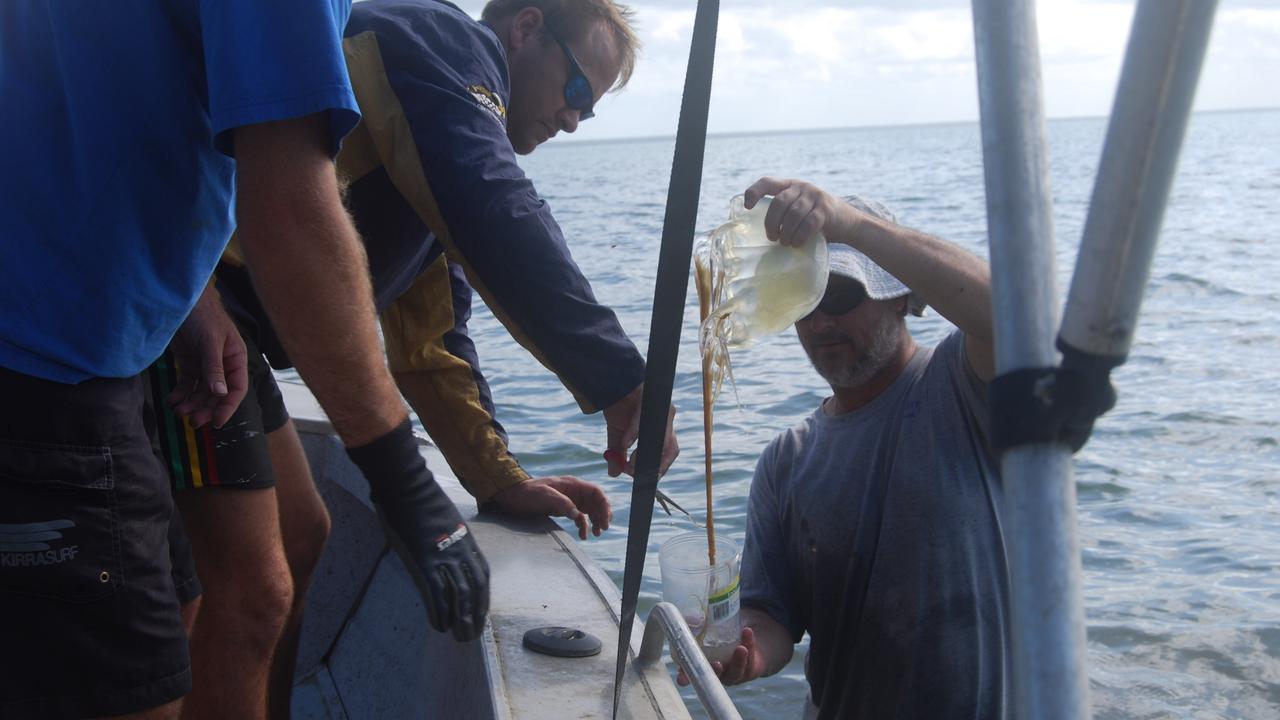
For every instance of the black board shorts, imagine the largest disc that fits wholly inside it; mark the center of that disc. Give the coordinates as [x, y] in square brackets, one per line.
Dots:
[233, 456]
[94, 566]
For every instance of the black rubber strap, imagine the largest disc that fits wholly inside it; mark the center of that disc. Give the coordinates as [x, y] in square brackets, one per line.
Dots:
[1052, 404]
[668, 314]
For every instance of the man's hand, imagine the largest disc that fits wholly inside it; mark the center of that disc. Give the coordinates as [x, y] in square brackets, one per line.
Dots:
[213, 363]
[622, 426]
[424, 527]
[560, 496]
[801, 210]
[747, 663]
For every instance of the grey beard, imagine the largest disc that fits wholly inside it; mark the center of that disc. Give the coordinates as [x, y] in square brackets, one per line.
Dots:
[878, 354]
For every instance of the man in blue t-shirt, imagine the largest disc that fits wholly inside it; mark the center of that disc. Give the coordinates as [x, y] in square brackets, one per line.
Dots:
[128, 129]
[874, 524]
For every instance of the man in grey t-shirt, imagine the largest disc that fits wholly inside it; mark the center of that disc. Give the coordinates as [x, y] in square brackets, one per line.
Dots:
[874, 525]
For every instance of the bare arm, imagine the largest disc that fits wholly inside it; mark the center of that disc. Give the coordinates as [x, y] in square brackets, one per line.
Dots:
[951, 280]
[310, 270]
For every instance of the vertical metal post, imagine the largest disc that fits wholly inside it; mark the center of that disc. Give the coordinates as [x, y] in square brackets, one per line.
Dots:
[1148, 121]
[1048, 639]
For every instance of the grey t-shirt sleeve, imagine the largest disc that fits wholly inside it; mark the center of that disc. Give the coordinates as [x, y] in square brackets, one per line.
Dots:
[767, 581]
[970, 390]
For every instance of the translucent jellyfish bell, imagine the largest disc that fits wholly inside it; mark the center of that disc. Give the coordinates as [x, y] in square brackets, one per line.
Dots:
[757, 287]
[766, 286]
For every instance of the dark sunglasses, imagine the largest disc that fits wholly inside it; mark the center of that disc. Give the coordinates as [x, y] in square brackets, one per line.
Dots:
[577, 89]
[841, 297]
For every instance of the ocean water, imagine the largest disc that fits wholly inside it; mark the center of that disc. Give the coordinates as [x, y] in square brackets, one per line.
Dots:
[1179, 489]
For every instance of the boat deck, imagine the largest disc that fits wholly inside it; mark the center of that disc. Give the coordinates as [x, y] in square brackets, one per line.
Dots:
[368, 652]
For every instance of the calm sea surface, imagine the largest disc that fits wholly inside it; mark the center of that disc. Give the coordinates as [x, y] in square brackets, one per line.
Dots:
[1179, 509]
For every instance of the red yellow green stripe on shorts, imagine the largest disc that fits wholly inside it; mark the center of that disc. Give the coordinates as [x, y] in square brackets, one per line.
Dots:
[188, 451]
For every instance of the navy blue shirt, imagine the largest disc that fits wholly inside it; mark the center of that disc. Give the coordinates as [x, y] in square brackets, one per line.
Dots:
[116, 200]
[431, 171]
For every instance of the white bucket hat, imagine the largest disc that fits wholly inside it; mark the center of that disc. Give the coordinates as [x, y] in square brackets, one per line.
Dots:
[844, 261]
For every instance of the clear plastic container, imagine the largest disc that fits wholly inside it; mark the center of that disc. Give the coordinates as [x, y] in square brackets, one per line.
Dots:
[707, 597]
[759, 287]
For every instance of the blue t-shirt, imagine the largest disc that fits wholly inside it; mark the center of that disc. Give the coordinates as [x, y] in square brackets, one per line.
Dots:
[117, 191]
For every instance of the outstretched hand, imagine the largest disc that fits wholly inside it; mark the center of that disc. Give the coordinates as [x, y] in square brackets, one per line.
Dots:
[559, 496]
[800, 210]
[213, 363]
[747, 663]
[622, 427]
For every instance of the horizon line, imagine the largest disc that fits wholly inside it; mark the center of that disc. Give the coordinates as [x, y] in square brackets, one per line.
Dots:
[878, 126]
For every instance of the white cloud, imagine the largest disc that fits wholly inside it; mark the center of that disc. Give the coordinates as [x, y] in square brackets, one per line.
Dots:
[809, 63]
[922, 37]
[1074, 32]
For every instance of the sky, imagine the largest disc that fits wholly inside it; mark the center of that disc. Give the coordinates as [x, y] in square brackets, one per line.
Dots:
[797, 64]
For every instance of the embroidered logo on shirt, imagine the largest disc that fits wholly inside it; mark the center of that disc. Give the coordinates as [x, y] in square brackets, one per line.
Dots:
[490, 101]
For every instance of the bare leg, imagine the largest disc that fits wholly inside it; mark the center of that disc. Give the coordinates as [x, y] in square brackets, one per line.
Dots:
[189, 613]
[304, 524]
[235, 536]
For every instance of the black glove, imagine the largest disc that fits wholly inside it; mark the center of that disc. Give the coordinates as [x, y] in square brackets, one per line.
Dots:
[424, 526]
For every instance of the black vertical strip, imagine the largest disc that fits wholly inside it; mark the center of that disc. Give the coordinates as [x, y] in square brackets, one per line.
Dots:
[158, 410]
[668, 314]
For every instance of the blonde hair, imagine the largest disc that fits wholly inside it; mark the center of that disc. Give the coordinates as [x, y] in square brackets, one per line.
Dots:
[572, 19]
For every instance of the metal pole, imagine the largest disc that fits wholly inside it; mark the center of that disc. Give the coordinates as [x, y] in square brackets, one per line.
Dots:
[1047, 617]
[665, 621]
[1153, 103]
